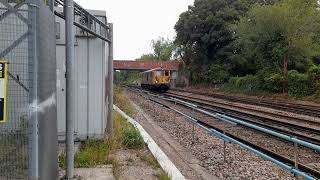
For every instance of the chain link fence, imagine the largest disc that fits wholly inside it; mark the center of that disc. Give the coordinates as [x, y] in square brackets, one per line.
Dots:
[27, 43]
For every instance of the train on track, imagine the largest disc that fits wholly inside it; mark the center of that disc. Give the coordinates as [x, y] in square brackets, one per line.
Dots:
[157, 79]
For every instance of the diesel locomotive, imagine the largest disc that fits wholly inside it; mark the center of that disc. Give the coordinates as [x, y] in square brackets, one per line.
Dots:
[157, 79]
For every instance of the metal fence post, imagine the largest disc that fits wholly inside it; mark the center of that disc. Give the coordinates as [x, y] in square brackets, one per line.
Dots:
[70, 86]
[110, 83]
[33, 61]
[51, 5]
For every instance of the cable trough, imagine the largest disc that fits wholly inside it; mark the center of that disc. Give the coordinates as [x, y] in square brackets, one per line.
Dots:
[284, 162]
[310, 133]
[310, 110]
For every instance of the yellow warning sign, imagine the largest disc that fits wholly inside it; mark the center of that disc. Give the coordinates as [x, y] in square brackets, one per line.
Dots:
[3, 90]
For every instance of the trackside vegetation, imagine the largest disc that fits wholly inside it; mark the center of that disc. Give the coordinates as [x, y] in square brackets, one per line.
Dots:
[250, 46]
[95, 153]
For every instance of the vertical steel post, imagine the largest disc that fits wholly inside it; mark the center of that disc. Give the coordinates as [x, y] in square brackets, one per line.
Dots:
[70, 86]
[51, 5]
[224, 149]
[110, 83]
[296, 157]
[33, 61]
[193, 138]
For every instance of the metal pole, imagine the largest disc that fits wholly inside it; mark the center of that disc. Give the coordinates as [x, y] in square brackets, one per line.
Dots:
[70, 86]
[296, 157]
[224, 149]
[110, 83]
[193, 138]
[32, 43]
[51, 5]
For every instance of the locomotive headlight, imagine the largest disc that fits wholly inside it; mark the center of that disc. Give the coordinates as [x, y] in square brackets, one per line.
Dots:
[156, 81]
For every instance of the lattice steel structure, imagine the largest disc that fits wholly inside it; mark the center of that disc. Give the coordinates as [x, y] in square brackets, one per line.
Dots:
[27, 43]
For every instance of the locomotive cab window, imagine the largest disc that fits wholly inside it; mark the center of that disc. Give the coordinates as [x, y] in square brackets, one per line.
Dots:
[166, 73]
[158, 73]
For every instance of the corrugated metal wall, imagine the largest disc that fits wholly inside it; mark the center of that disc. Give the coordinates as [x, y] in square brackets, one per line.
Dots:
[91, 62]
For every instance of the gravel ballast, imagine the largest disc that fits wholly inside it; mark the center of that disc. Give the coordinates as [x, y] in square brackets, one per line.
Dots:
[239, 164]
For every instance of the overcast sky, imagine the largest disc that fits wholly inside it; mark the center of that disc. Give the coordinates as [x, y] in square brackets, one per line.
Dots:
[136, 23]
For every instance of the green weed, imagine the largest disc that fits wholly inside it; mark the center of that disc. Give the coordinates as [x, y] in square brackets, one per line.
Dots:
[150, 160]
[164, 176]
[132, 138]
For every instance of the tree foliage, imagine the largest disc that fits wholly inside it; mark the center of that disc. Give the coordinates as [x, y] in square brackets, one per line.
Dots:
[204, 35]
[275, 35]
[254, 41]
[269, 32]
[163, 50]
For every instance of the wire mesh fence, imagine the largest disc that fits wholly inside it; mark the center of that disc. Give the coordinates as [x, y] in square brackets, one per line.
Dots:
[27, 44]
[14, 48]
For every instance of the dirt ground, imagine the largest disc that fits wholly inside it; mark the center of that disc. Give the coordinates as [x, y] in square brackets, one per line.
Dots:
[136, 164]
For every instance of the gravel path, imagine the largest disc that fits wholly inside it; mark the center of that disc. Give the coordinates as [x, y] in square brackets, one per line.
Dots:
[239, 164]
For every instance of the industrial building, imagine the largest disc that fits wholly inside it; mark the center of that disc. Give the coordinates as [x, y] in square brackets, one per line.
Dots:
[91, 60]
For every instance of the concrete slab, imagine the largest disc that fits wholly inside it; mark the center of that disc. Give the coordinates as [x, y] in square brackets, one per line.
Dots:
[99, 173]
[104, 173]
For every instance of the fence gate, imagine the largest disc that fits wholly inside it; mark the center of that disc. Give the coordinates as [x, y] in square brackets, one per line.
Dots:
[28, 140]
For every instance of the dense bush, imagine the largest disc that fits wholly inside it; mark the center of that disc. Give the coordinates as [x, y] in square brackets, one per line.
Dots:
[217, 74]
[298, 84]
[246, 84]
[272, 82]
[314, 76]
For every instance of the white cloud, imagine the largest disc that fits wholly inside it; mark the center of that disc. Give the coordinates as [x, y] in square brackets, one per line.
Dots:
[136, 23]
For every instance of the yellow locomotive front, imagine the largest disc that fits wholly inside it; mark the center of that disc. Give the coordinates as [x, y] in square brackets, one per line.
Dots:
[156, 79]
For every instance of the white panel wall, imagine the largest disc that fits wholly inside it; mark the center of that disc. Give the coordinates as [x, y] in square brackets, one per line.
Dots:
[91, 60]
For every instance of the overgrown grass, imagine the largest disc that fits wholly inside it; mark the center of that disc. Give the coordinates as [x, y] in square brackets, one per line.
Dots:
[122, 101]
[132, 138]
[93, 153]
[97, 152]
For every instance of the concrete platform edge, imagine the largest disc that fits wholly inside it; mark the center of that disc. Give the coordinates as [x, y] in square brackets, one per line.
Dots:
[161, 157]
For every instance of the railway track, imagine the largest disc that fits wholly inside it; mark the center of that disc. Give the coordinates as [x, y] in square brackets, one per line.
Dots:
[275, 155]
[298, 108]
[310, 133]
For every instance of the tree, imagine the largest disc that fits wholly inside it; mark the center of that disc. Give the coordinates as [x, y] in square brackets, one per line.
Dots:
[163, 50]
[203, 32]
[147, 57]
[273, 34]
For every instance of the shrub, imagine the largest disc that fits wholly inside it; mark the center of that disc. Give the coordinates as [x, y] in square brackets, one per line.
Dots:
[314, 76]
[298, 84]
[217, 74]
[272, 83]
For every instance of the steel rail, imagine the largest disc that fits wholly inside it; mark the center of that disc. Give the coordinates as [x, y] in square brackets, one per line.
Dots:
[306, 141]
[287, 106]
[262, 152]
[210, 104]
[276, 115]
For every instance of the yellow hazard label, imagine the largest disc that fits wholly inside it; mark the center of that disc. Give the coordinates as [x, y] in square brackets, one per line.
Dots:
[3, 90]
